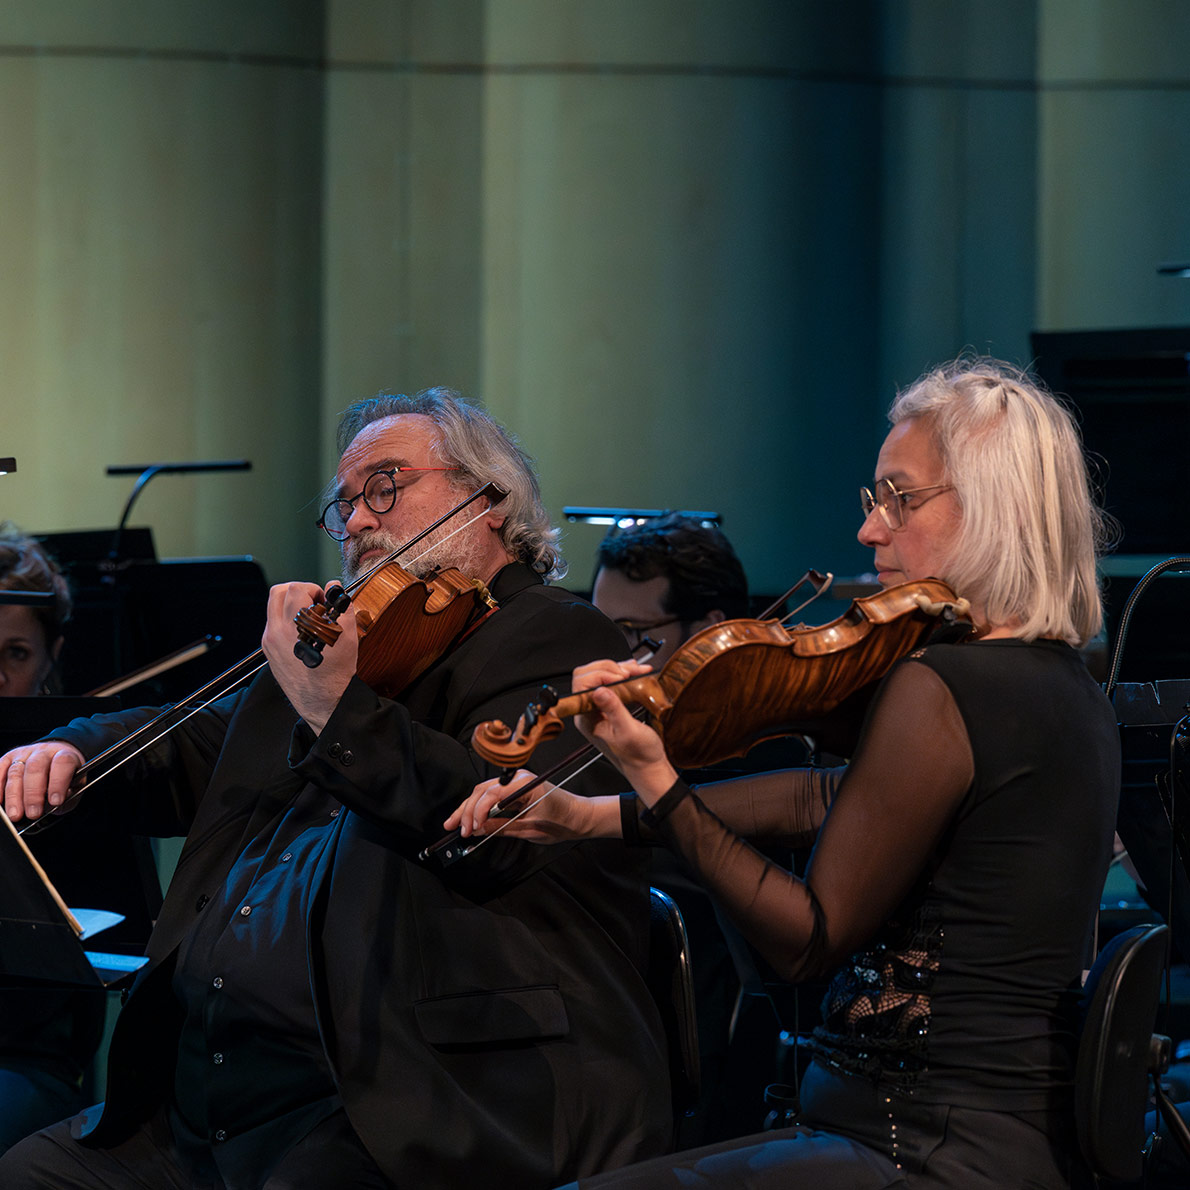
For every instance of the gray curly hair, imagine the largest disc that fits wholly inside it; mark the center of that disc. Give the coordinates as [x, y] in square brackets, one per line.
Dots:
[470, 439]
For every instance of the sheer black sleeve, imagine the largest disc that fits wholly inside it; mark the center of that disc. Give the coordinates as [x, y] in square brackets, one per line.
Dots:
[785, 807]
[912, 766]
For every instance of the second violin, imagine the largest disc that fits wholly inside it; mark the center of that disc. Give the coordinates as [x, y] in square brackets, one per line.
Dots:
[739, 682]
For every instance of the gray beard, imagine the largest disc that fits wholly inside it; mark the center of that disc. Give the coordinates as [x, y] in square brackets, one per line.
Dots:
[427, 557]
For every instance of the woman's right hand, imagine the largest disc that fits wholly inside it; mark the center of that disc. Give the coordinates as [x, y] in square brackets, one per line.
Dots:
[36, 778]
[553, 819]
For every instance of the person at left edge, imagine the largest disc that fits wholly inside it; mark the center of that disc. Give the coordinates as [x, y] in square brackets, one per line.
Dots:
[47, 1038]
[320, 1008]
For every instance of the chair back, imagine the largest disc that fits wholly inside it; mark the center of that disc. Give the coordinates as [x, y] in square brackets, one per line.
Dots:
[671, 981]
[1111, 1077]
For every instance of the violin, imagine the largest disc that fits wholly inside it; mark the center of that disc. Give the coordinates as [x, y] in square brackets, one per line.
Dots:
[389, 602]
[739, 682]
[404, 623]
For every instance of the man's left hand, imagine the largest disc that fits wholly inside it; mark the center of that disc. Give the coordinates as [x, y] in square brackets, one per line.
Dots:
[314, 693]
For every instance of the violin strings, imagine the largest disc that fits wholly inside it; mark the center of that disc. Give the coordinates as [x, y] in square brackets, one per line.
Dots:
[417, 558]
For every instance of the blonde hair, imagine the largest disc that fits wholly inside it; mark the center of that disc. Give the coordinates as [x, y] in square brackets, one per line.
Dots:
[1030, 529]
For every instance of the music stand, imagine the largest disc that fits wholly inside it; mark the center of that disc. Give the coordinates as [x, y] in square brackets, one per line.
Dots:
[41, 940]
[1156, 839]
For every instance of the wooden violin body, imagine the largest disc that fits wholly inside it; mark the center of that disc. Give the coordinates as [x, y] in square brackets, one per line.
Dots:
[404, 623]
[739, 682]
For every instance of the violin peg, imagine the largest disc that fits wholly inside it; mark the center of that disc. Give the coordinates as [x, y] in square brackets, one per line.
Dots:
[337, 600]
[308, 653]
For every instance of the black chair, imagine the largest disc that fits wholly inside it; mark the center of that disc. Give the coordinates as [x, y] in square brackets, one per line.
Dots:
[1118, 1056]
[672, 984]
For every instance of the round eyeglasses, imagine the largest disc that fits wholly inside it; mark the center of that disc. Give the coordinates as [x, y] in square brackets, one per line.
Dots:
[379, 493]
[893, 502]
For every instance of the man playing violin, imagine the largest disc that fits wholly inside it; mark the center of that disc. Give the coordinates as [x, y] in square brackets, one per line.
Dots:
[667, 579]
[321, 1007]
[959, 858]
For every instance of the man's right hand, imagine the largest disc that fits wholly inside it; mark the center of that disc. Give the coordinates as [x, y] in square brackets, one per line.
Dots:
[36, 778]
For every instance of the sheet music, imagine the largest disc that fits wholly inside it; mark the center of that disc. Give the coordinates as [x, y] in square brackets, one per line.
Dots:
[93, 921]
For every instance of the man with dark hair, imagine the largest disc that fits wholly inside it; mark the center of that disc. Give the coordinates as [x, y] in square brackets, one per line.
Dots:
[322, 1007]
[668, 579]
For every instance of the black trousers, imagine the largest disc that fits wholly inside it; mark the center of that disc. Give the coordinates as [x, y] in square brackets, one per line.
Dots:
[30, 1099]
[330, 1155]
[856, 1139]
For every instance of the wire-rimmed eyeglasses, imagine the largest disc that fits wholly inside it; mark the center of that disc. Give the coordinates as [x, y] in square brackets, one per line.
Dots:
[635, 631]
[379, 493]
[893, 501]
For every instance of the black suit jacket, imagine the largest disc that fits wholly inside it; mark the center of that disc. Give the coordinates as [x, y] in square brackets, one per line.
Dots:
[486, 1023]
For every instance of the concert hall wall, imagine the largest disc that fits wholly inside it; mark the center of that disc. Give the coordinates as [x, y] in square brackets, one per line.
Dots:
[686, 248]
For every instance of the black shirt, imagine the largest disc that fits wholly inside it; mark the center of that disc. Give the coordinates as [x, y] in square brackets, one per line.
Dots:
[954, 881]
[252, 1077]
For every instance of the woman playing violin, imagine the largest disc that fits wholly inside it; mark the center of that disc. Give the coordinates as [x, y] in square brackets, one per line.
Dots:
[959, 857]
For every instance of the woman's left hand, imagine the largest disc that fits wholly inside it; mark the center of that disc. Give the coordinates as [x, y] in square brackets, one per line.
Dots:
[632, 746]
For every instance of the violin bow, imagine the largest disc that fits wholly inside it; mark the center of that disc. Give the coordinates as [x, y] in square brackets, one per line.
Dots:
[818, 581]
[239, 673]
[448, 850]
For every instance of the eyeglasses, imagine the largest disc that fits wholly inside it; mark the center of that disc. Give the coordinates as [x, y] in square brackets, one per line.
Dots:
[379, 493]
[893, 502]
[635, 631]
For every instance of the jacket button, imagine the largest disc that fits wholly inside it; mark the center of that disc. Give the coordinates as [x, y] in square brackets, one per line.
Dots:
[348, 757]
[335, 749]
[201, 903]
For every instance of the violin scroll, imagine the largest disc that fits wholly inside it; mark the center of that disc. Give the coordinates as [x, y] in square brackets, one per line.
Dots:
[317, 626]
[509, 748]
